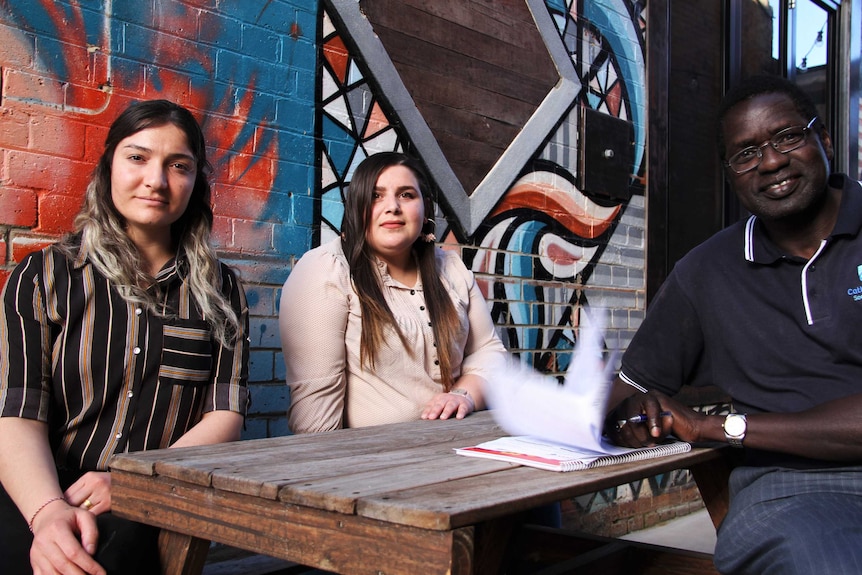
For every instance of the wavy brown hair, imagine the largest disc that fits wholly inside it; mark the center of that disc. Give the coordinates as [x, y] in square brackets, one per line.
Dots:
[366, 281]
[104, 241]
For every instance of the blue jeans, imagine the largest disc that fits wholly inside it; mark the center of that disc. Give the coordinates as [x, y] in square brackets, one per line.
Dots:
[788, 521]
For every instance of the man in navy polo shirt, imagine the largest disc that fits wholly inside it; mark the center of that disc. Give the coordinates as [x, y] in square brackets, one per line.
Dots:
[770, 310]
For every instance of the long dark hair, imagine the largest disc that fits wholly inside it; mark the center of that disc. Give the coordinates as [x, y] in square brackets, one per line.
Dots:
[104, 241]
[375, 311]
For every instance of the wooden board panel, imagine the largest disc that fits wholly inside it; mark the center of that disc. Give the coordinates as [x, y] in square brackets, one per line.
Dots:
[340, 543]
[464, 501]
[476, 69]
[261, 467]
[341, 492]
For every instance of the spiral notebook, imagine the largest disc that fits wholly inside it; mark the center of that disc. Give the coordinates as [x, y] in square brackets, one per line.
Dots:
[554, 457]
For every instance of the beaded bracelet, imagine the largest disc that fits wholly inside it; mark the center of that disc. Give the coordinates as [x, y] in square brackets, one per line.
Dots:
[43, 506]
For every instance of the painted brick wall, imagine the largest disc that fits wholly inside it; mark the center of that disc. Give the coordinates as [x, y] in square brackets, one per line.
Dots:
[246, 69]
[250, 71]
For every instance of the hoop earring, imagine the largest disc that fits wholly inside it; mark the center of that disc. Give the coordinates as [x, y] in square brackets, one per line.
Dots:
[430, 237]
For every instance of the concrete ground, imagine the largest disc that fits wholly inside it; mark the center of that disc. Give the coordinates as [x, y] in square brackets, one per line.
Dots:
[694, 532]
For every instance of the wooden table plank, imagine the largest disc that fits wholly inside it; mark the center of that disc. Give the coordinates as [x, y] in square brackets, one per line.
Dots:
[259, 467]
[342, 543]
[467, 501]
[268, 479]
[430, 467]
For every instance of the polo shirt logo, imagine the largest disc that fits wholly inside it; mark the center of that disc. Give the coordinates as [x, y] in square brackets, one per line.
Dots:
[856, 292]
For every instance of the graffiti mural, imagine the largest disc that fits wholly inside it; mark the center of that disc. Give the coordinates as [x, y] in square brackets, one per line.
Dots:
[352, 124]
[542, 230]
[82, 66]
[546, 248]
[545, 214]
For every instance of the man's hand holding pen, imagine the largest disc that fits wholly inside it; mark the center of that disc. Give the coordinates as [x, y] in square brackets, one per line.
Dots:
[642, 418]
[645, 419]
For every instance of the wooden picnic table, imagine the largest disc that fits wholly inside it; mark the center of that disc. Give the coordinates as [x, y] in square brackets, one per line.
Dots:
[392, 499]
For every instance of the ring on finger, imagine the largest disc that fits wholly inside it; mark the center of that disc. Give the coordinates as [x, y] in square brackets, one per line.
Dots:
[87, 504]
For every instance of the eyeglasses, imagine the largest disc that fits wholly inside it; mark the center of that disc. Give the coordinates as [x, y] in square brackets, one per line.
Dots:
[786, 140]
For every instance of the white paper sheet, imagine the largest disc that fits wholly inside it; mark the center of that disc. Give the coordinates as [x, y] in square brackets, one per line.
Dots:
[526, 402]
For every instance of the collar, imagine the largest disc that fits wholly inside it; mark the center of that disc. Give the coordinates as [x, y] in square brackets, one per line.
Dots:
[389, 281]
[759, 249]
[175, 268]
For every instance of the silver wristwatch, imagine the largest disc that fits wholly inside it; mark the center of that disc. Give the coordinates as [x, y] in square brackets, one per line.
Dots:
[734, 429]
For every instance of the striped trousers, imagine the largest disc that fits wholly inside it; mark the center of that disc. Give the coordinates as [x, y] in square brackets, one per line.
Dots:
[789, 521]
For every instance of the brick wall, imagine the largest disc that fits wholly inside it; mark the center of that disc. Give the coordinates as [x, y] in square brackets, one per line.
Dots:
[246, 69]
[249, 72]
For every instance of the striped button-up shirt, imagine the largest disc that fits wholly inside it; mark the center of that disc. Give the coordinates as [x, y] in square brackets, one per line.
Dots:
[108, 376]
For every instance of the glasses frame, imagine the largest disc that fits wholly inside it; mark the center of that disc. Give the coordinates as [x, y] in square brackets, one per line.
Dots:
[770, 142]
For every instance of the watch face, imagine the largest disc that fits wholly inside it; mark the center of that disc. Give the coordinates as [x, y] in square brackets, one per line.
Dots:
[734, 426]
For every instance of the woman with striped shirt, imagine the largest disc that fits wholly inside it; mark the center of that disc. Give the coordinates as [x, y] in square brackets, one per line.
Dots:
[127, 335]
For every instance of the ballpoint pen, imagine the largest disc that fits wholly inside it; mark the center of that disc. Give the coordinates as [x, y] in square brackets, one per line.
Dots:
[642, 418]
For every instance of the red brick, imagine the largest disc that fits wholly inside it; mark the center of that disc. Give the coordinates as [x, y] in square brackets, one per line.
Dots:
[222, 233]
[17, 54]
[94, 144]
[19, 85]
[57, 212]
[236, 202]
[18, 208]
[57, 136]
[220, 128]
[14, 129]
[26, 244]
[36, 171]
[4, 275]
[179, 84]
[252, 237]
[3, 258]
[239, 165]
[99, 70]
[88, 98]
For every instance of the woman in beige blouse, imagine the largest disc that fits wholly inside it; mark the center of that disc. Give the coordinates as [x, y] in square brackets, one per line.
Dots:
[380, 325]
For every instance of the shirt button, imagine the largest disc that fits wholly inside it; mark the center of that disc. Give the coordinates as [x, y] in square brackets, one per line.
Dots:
[436, 362]
[130, 394]
[119, 435]
[422, 307]
[138, 311]
[136, 351]
[413, 292]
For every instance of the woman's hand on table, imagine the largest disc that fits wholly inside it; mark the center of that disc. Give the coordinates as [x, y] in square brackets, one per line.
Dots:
[446, 405]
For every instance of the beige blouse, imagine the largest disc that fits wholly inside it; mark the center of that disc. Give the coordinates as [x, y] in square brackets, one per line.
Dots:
[320, 321]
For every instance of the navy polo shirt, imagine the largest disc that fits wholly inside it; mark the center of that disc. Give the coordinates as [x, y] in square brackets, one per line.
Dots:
[778, 333]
